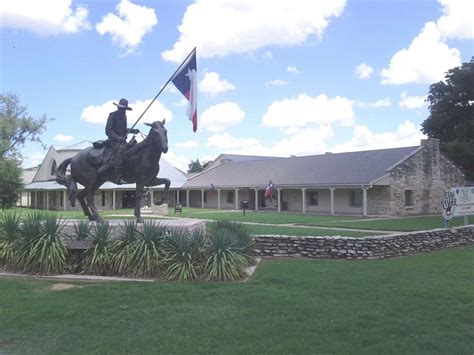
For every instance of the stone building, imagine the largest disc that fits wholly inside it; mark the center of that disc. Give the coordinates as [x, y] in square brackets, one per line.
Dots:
[44, 192]
[398, 181]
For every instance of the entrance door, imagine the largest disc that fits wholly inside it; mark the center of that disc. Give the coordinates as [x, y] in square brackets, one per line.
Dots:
[128, 199]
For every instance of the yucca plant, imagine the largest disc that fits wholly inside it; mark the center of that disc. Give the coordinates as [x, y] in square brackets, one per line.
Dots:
[123, 248]
[46, 253]
[224, 262]
[147, 255]
[183, 255]
[82, 230]
[30, 229]
[243, 242]
[9, 238]
[98, 257]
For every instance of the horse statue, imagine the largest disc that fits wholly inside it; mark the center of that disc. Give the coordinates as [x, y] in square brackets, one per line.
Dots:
[141, 167]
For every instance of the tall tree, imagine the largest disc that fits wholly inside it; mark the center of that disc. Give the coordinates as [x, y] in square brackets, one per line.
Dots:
[451, 119]
[17, 127]
[10, 182]
[194, 166]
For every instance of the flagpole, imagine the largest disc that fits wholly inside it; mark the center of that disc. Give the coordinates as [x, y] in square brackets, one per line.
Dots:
[164, 86]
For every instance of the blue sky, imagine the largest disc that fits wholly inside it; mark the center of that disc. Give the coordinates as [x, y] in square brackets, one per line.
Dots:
[275, 77]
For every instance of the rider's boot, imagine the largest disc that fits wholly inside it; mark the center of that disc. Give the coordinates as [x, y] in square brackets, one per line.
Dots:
[118, 177]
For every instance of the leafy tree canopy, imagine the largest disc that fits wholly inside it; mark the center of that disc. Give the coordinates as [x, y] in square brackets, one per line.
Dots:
[196, 167]
[17, 127]
[451, 119]
[10, 182]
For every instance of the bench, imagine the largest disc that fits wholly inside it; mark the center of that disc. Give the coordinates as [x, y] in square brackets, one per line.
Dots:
[178, 208]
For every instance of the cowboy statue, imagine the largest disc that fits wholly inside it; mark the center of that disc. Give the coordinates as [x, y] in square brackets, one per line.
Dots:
[116, 130]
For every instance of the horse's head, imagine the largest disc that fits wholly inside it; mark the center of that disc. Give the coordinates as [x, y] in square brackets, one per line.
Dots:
[158, 134]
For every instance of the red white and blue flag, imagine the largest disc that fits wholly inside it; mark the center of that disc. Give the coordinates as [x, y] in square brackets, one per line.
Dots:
[269, 190]
[185, 81]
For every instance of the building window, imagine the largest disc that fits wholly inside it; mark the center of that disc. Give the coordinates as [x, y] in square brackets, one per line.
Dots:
[53, 168]
[230, 196]
[313, 198]
[103, 198]
[355, 198]
[408, 198]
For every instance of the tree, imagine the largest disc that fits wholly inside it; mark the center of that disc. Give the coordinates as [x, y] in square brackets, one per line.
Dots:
[17, 127]
[197, 167]
[451, 119]
[10, 182]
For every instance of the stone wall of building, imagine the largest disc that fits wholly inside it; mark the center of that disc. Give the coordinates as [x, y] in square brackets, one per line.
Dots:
[378, 200]
[378, 247]
[426, 174]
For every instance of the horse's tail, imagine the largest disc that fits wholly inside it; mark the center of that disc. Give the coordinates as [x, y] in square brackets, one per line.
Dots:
[67, 180]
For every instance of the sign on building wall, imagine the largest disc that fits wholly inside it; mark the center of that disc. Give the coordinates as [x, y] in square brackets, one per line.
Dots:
[458, 201]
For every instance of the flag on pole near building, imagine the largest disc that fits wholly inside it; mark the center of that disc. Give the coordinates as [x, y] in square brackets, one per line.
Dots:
[269, 190]
[185, 81]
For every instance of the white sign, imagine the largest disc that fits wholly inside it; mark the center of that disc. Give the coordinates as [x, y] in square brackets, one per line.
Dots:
[458, 201]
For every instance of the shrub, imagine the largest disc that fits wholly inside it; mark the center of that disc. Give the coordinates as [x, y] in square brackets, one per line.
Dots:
[225, 260]
[98, 257]
[183, 255]
[123, 248]
[146, 254]
[82, 230]
[9, 238]
[45, 253]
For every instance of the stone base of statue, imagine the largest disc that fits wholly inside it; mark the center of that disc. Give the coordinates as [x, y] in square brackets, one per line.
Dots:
[161, 210]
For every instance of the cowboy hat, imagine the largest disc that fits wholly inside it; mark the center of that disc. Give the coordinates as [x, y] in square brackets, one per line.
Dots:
[123, 103]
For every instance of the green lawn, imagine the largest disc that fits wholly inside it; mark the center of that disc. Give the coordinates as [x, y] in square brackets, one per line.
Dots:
[396, 224]
[421, 304]
[300, 231]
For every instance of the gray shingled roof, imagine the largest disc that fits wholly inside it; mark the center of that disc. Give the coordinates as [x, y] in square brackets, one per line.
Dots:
[341, 169]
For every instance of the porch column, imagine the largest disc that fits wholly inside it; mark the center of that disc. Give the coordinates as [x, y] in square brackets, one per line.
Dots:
[47, 200]
[202, 198]
[218, 199]
[177, 196]
[256, 199]
[332, 199]
[152, 201]
[236, 199]
[364, 201]
[113, 200]
[303, 199]
[187, 198]
[279, 199]
[64, 199]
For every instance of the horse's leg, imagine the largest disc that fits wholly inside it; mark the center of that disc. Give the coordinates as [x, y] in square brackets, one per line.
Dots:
[80, 196]
[90, 200]
[160, 181]
[138, 201]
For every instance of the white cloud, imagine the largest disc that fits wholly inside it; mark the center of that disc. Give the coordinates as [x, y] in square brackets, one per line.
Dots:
[33, 158]
[382, 103]
[276, 82]
[457, 20]
[221, 116]
[293, 69]
[412, 102]
[178, 161]
[425, 61]
[128, 28]
[99, 114]
[363, 71]
[225, 141]
[187, 144]
[213, 84]
[407, 134]
[181, 102]
[219, 28]
[303, 110]
[63, 138]
[46, 17]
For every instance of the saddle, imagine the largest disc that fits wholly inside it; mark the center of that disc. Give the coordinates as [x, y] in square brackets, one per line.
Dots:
[101, 151]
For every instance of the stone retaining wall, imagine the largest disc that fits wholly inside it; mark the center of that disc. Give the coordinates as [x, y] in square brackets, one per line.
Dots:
[374, 247]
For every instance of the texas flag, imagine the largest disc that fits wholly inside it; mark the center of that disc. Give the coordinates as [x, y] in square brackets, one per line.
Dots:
[269, 190]
[185, 81]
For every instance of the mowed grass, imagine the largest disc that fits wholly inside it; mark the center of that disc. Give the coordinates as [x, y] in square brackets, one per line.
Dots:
[305, 232]
[417, 304]
[396, 224]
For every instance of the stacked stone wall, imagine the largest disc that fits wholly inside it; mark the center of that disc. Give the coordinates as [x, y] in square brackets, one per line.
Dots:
[376, 247]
